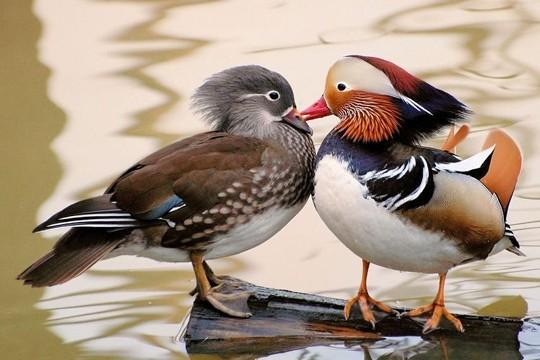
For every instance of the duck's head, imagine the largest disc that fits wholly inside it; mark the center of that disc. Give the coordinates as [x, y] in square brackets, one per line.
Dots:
[378, 101]
[248, 100]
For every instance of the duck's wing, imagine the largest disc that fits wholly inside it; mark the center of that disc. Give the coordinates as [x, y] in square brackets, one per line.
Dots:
[409, 183]
[97, 212]
[179, 180]
[470, 207]
[502, 174]
[400, 186]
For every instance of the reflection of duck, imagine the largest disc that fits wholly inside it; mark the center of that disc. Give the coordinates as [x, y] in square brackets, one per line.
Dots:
[398, 204]
[208, 196]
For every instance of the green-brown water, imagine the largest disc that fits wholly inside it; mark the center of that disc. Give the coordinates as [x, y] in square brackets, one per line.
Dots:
[89, 87]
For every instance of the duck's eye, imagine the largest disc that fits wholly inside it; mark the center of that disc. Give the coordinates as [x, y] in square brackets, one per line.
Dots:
[341, 86]
[273, 95]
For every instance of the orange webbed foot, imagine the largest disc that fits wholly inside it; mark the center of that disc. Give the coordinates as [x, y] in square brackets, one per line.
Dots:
[365, 302]
[437, 312]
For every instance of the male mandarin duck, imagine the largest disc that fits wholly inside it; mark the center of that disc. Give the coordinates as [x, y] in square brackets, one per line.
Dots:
[211, 195]
[398, 204]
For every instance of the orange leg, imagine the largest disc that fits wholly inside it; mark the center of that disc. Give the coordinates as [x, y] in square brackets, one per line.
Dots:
[212, 278]
[364, 300]
[203, 285]
[437, 309]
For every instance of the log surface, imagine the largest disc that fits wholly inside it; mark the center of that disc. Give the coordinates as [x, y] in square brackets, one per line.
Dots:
[284, 320]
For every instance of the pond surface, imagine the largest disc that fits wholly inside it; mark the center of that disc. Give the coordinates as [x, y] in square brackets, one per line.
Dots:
[89, 87]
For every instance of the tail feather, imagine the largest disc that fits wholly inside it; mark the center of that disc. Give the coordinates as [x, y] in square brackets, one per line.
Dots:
[72, 255]
[515, 250]
[97, 212]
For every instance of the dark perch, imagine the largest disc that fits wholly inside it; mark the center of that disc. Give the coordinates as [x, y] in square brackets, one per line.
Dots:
[284, 320]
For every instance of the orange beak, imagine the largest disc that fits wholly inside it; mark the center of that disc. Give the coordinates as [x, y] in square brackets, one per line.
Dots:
[318, 110]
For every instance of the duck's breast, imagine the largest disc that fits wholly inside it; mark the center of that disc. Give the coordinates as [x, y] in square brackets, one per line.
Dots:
[372, 232]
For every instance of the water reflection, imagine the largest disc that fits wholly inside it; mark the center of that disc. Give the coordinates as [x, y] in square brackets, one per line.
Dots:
[124, 86]
[29, 123]
[408, 347]
[402, 348]
[122, 314]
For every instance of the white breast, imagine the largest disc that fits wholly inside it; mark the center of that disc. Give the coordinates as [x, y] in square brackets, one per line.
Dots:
[372, 232]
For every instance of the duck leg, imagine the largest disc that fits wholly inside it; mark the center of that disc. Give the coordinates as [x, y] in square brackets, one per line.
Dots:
[437, 309]
[223, 297]
[212, 278]
[364, 300]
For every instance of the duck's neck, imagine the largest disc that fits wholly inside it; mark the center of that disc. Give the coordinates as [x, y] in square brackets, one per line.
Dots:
[296, 143]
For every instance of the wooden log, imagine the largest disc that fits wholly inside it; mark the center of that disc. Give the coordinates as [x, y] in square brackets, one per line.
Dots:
[284, 320]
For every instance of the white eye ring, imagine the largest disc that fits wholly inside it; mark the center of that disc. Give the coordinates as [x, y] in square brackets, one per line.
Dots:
[341, 86]
[273, 95]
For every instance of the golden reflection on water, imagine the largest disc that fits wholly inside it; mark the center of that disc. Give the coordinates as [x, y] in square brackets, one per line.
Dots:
[121, 73]
[29, 123]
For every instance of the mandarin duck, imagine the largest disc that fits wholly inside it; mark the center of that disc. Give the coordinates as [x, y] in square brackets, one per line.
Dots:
[400, 205]
[211, 195]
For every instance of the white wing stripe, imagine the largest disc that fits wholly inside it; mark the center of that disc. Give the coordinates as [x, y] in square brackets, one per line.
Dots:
[52, 226]
[472, 163]
[176, 208]
[397, 172]
[416, 193]
[119, 222]
[97, 215]
[410, 165]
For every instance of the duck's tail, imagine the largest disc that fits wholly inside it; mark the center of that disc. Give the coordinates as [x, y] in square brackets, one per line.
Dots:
[72, 255]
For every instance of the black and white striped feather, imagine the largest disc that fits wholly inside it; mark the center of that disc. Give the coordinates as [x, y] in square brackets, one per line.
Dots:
[406, 186]
[476, 166]
[98, 212]
[410, 184]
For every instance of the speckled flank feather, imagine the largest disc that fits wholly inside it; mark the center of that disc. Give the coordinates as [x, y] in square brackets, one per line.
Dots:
[274, 182]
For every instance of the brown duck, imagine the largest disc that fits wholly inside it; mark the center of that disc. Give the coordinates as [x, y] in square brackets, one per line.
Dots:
[211, 195]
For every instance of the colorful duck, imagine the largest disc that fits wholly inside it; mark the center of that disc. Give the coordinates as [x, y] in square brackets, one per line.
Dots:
[400, 205]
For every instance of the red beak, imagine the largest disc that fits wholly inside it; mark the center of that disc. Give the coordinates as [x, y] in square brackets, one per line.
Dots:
[318, 110]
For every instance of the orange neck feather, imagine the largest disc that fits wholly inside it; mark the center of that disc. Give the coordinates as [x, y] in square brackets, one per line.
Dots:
[366, 116]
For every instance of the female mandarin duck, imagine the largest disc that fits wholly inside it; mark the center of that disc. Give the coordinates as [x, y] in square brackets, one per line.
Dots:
[395, 203]
[211, 195]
